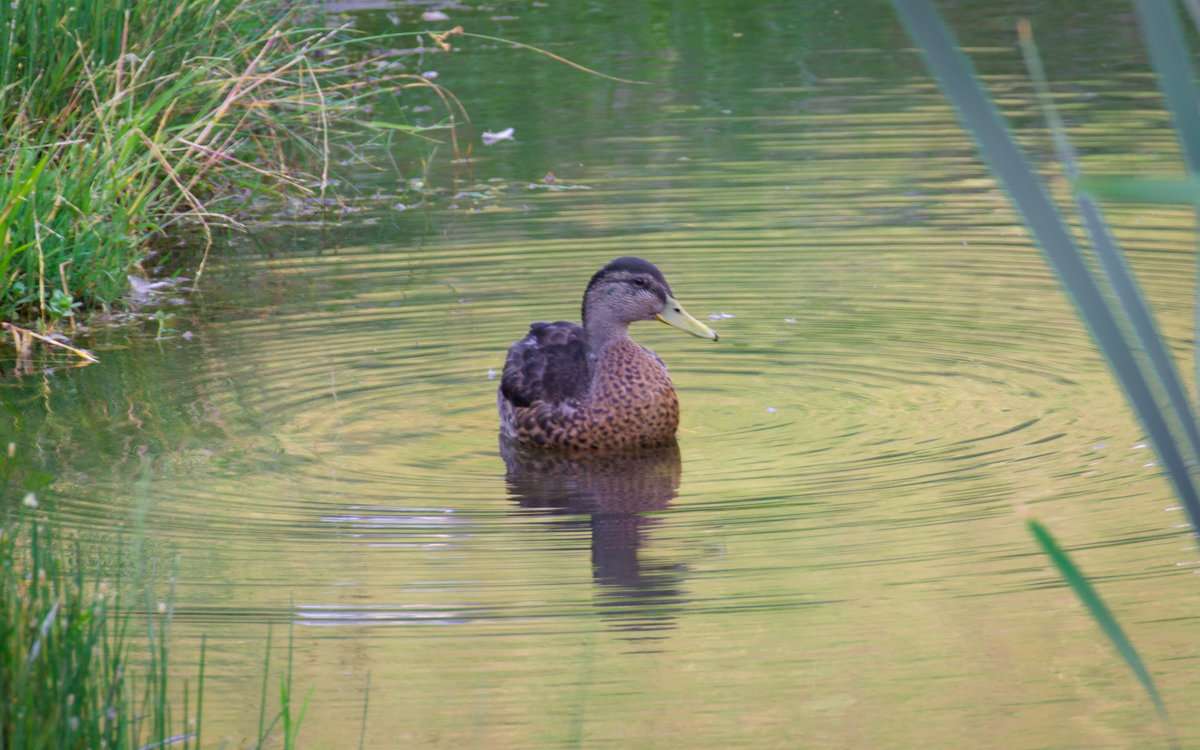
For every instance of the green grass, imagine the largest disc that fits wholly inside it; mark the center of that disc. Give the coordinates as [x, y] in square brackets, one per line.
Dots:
[1098, 610]
[72, 672]
[118, 125]
[66, 680]
[1109, 302]
[1128, 348]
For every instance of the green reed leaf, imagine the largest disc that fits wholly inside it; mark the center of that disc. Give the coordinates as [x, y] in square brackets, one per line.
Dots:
[1099, 612]
[1162, 190]
[1163, 30]
[1008, 163]
[1165, 44]
[1131, 305]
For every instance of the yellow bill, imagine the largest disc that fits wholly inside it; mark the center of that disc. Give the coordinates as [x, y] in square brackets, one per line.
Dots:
[674, 315]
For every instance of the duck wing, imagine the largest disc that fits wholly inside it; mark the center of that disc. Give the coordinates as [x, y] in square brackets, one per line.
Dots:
[550, 364]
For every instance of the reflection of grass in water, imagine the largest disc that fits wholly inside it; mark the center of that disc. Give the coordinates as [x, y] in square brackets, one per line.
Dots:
[69, 675]
[1112, 306]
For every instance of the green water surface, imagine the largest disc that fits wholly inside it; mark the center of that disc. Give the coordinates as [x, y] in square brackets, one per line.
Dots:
[834, 557]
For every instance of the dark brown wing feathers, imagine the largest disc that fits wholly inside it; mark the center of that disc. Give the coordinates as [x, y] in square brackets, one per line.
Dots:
[550, 364]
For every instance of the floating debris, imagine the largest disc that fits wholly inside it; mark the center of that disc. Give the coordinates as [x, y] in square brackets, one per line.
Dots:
[504, 135]
[141, 289]
[434, 15]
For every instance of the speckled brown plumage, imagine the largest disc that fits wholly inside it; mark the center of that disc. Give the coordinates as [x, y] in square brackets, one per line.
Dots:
[590, 387]
[629, 402]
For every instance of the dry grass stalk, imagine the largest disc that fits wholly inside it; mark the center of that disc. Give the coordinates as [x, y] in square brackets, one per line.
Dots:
[23, 340]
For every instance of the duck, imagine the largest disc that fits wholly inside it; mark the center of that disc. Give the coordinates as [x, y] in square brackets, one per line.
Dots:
[589, 387]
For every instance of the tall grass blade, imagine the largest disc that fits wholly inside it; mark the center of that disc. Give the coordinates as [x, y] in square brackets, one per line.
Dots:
[1100, 613]
[291, 720]
[200, 692]
[1163, 30]
[362, 735]
[1008, 163]
[1162, 190]
[1116, 271]
[262, 705]
[1193, 9]
[1168, 53]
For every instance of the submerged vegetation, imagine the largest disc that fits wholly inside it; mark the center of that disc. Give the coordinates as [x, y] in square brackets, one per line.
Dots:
[118, 124]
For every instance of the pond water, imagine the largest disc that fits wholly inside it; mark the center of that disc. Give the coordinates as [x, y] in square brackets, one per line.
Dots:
[835, 554]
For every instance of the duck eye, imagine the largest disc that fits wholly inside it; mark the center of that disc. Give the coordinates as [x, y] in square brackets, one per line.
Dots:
[640, 281]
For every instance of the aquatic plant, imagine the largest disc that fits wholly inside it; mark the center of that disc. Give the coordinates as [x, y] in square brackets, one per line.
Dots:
[1120, 322]
[1111, 303]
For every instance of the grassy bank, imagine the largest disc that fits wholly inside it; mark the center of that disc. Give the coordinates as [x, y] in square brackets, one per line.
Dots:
[118, 123]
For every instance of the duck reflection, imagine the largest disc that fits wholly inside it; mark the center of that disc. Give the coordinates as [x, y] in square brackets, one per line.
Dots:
[613, 493]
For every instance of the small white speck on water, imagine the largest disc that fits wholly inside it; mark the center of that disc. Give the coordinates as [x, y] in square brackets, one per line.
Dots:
[1139, 446]
[771, 410]
[491, 374]
[789, 320]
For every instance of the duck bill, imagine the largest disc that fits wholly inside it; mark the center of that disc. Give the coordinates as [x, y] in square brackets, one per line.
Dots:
[674, 315]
